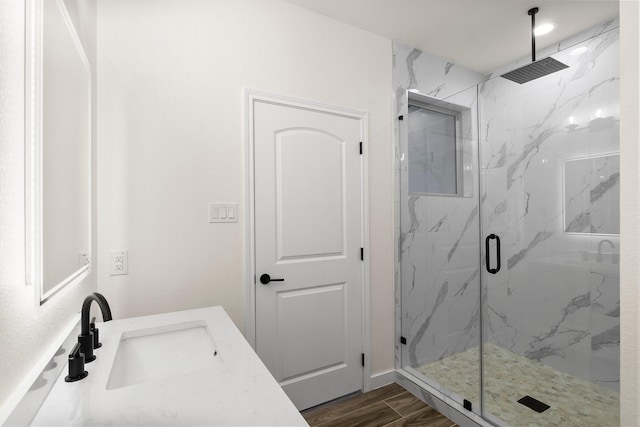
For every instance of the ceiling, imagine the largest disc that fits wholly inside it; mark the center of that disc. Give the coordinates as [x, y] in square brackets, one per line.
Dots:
[479, 34]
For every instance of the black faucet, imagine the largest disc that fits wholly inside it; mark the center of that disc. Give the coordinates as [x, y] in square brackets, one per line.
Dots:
[88, 337]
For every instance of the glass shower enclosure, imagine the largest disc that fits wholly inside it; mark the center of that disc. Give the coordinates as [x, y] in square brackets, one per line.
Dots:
[507, 258]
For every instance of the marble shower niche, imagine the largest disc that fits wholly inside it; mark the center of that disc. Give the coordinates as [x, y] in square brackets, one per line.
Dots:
[541, 168]
[592, 195]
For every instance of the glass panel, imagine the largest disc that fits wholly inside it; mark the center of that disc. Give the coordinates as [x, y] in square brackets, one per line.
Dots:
[439, 258]
[550, 176]
[432, 151]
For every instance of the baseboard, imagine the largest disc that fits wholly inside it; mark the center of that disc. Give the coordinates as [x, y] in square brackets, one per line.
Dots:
[382, 379]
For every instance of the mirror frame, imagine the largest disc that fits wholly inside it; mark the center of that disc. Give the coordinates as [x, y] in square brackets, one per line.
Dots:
[34, 137]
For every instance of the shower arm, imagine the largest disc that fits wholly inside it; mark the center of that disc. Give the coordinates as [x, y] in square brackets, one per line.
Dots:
[537, 69]
[532, 12]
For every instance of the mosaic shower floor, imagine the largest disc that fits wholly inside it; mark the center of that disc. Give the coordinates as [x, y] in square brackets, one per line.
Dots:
[509, 377]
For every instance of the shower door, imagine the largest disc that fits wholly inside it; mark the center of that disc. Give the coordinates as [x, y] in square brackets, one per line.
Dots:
[439, 250]
[550, 236]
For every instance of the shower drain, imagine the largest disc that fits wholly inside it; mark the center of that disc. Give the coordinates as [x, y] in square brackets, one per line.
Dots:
[534, 404]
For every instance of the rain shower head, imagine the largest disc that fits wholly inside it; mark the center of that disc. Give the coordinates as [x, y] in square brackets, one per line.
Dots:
[537, 69]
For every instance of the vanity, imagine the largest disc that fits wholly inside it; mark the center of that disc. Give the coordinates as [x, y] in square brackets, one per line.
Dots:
[190, 367]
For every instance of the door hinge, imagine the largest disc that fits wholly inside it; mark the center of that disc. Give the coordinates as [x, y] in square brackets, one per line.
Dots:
[362, 359]
[361, 254]
[403, 340]
[400, 117]
[360, 147]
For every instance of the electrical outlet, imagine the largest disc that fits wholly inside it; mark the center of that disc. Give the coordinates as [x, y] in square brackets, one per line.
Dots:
[118, 263]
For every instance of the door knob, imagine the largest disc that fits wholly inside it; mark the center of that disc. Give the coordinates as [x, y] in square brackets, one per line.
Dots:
[265, 279]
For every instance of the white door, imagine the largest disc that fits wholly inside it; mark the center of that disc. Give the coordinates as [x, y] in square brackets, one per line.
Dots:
[308, 232]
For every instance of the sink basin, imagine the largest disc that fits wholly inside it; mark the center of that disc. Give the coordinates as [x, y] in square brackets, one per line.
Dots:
[161, 352]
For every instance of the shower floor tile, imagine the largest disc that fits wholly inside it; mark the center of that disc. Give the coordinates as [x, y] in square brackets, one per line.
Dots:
[509, 377]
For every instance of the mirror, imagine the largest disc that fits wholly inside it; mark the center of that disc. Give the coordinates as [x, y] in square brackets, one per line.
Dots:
[58, 150]
[592, 195]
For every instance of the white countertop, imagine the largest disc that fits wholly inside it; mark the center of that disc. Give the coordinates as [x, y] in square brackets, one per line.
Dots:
[239, 392]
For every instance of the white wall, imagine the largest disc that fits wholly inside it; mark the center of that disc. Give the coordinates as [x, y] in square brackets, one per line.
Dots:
[171, 83]
[629, 212]
[26, 328]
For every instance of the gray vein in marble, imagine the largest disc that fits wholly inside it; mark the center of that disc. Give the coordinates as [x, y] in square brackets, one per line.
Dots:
[448, 67]
[608, 338]
[540, 348]
[586, 63]
[413, 277]
[498, 210]
[595, 300]
[555, 348]
[526, 205]
[498, 158]
[515, 259]
[607, 26]
[580, 193]
[467, 282]
[439, 224]
[597, 86]
[502, 160]
[444, 290]
[615, 312]
[598, 294]
[505, 321]
[596, 228]
[411, 64]
[533, 146]
[599, 190]
[470, 218]
[437, 90]
[604, 165]
[414, 225]
[580, 223]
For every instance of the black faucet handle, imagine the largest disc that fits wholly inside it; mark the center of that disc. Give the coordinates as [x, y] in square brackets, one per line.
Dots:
[96, 333]
[76, 365]
[86, 343]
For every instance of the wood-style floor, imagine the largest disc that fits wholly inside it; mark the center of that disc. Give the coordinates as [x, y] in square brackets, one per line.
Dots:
[389, 406]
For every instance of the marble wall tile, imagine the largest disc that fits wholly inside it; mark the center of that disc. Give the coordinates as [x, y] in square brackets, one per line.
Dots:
[558, 299]
[428, 74]
[438, 250]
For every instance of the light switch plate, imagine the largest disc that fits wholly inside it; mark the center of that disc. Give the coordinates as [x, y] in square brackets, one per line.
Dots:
[118, 263]
[223, 212]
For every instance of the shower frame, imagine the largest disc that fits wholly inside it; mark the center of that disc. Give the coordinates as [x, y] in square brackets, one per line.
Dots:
[416, 384]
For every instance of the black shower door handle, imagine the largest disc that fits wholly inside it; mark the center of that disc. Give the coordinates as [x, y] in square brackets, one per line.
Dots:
[488, 257]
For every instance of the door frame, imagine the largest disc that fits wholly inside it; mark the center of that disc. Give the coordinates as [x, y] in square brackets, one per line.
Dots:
[251, 97]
